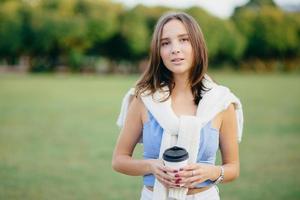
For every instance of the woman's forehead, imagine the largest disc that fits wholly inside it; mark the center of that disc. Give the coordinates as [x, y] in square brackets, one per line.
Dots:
[173, 28]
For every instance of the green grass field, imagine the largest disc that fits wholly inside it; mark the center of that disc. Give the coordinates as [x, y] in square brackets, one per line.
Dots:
[57, 134]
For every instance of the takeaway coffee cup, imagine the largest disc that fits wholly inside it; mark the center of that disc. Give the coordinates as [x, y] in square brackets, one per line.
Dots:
[175, 157]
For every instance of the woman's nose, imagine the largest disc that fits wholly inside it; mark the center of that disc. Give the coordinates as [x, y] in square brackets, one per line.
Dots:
[175, 51]
[175, 48]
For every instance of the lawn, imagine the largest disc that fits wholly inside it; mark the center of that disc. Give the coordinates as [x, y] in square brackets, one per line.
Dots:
[57, 134]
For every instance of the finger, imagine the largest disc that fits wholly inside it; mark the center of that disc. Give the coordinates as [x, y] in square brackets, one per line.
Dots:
[189, 167]
[196, 179]
[167, 176]
[186, 174]
[165, 182]
[193, 181]
[176, 186]
[189, 173]
[185, 182]
[190, 176]
[165, 168]
[168, 169]
[173, 180]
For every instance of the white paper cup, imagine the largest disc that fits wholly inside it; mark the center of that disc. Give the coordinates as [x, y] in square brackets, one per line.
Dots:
[175, 157]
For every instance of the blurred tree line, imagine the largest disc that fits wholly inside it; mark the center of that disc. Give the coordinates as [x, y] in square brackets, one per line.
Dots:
[79, 35]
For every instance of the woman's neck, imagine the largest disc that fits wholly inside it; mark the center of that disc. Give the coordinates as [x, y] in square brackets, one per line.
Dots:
[182, 85]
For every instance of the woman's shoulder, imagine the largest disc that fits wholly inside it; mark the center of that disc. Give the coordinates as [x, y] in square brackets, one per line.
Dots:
[139, 108]
[136, 102]
[228, 114]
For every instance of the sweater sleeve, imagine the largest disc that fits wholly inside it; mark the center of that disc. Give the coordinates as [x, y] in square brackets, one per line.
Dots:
[124, 107]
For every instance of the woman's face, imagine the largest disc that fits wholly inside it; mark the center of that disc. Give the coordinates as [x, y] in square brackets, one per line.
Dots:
[176, 50]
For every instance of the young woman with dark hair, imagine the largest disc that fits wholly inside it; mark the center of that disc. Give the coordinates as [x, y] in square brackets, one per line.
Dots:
[177, 80]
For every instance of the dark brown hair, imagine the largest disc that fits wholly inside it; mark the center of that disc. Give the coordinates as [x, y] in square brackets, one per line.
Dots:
[157, 75]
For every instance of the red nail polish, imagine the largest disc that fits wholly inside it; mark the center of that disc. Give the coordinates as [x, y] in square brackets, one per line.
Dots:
[175, 171]
[177, 181]
[176, 175]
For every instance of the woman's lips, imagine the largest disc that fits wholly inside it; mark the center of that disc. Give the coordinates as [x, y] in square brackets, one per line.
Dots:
[177, 60]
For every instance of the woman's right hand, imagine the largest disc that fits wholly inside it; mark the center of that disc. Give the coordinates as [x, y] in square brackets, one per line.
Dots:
[162, 173]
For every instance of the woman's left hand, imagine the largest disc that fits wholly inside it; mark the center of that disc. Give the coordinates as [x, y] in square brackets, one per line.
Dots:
[193, 174]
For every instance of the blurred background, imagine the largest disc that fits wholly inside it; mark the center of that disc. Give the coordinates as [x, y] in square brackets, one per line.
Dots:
[66, 64]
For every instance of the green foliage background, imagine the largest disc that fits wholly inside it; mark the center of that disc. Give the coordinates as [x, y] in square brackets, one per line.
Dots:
[70, 32]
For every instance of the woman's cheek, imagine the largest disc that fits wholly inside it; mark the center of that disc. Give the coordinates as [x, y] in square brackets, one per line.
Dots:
[164, 54]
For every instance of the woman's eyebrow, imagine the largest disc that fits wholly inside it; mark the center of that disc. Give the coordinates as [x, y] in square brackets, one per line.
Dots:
[166, 38]
[180, 35]
[183, 35]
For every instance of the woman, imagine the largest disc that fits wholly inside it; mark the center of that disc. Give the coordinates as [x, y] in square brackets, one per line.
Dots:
[177, 68]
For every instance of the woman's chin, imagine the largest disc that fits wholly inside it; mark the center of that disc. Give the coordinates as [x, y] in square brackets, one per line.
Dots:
[180, 73]
[179, 69]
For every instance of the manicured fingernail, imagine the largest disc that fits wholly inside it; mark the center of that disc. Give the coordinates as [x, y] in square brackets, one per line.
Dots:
[175, 171]
[177, 181]
[176, 175]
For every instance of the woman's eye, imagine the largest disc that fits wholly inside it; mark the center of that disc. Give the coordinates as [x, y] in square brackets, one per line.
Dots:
[185, 39]
[164, 43]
